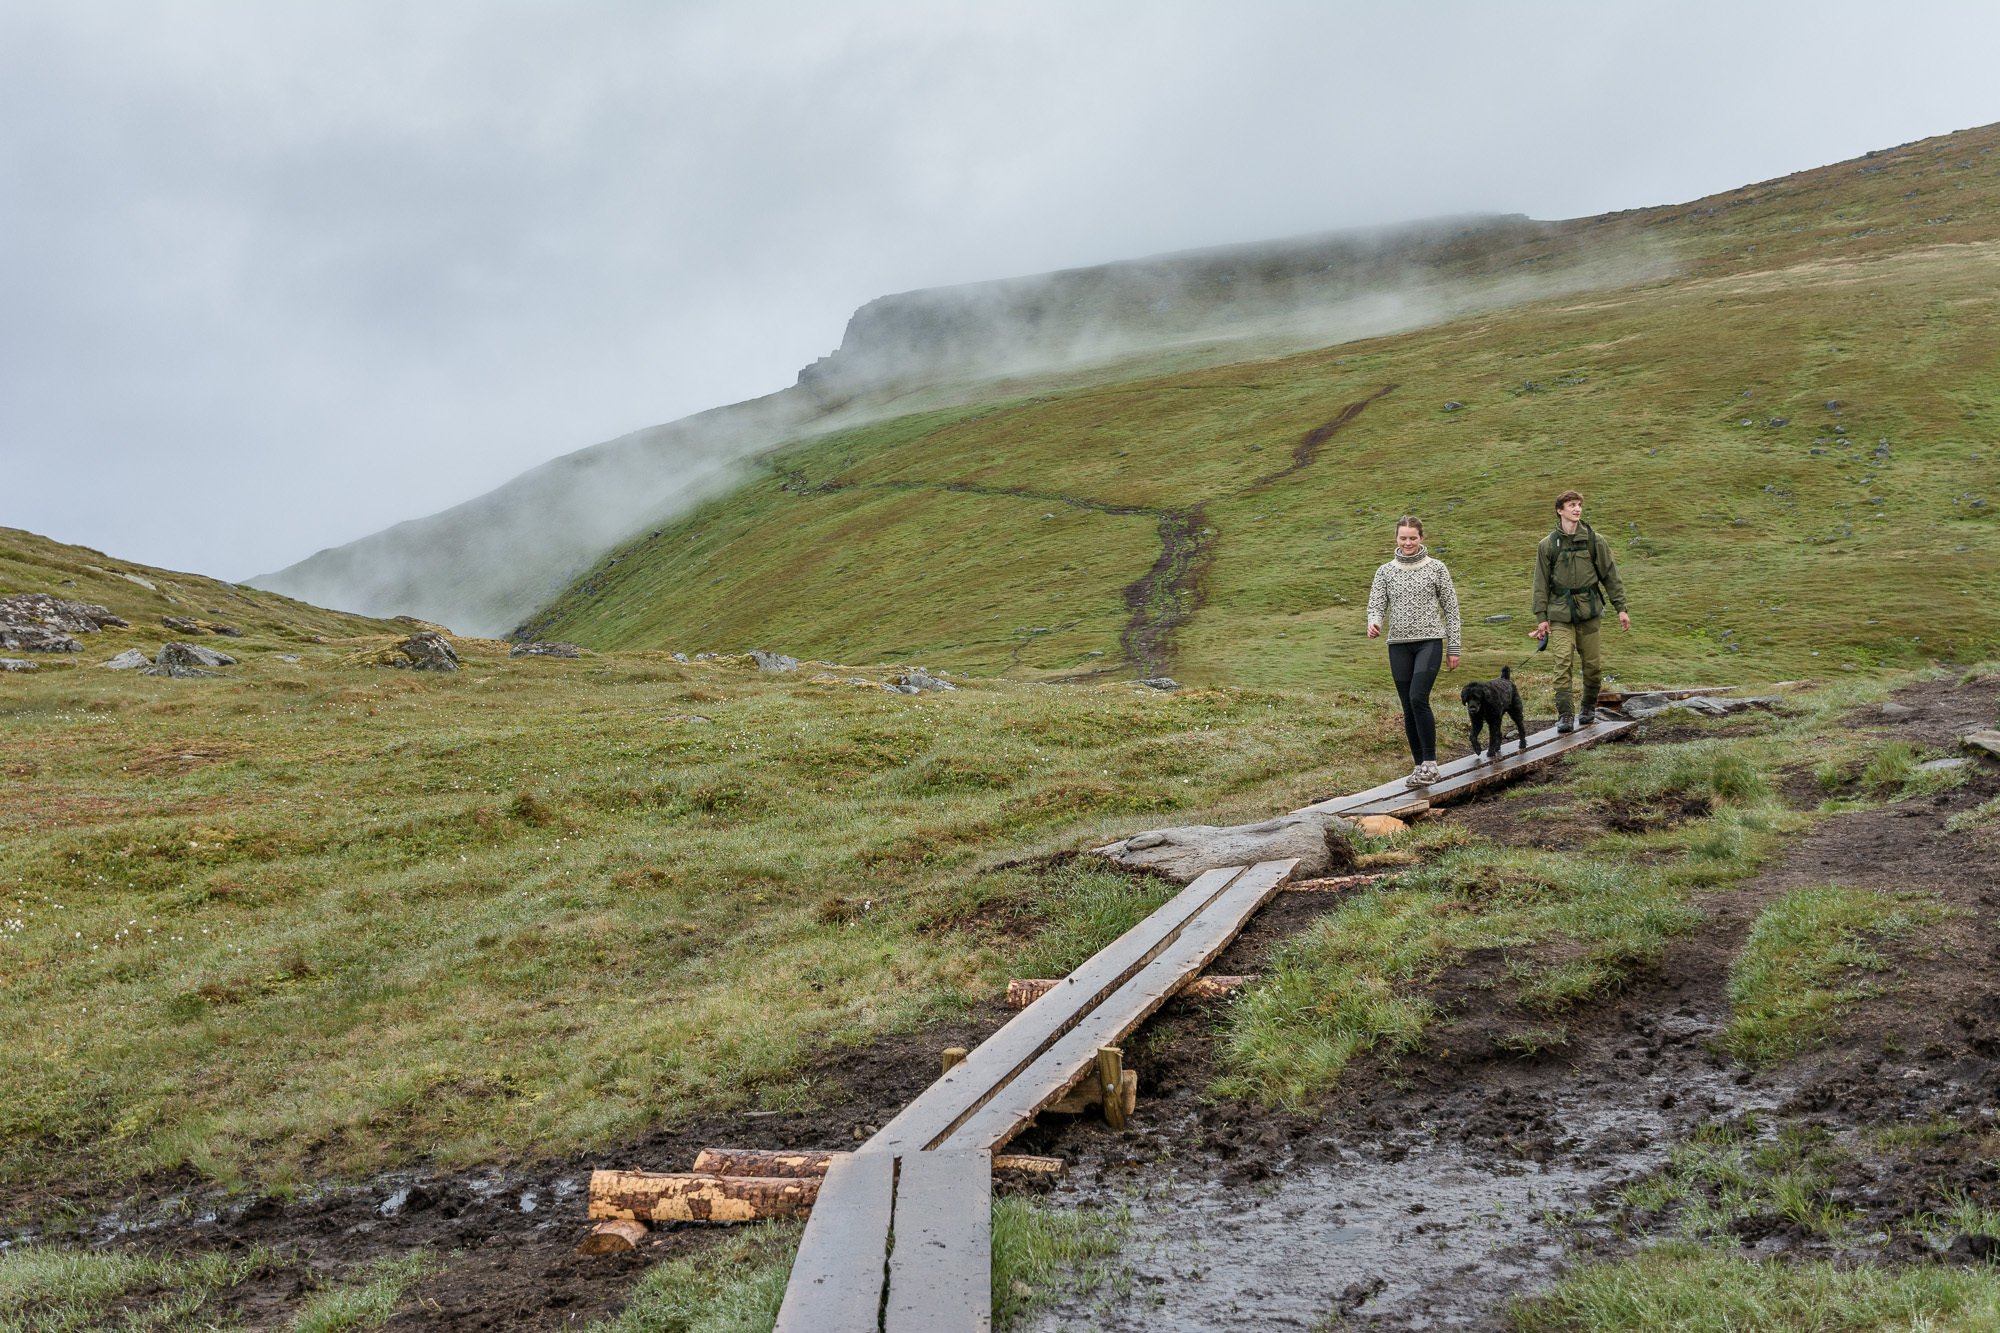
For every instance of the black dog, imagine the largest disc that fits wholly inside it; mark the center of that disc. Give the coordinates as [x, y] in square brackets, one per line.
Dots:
[1487, 702]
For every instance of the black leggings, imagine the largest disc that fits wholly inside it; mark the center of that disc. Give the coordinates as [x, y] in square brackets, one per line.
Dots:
[1415, 667]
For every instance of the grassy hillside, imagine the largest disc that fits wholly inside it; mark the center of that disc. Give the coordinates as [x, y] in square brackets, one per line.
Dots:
[1222, 524]
[142, 594]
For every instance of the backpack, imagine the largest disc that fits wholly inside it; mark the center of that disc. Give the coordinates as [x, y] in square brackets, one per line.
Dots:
[1567, 544]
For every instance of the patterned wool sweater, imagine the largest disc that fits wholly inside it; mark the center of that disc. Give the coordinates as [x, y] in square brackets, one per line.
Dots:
[1413, 600]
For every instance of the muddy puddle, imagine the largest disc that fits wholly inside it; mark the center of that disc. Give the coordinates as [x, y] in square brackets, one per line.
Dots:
[1416, 1231]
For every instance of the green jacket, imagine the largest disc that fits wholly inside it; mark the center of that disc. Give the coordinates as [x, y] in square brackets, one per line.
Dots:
[1568, 571]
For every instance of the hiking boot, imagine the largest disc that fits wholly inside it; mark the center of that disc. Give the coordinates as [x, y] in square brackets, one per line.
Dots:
[1417, 778]
[1431, 773]
[1565, 724]
[1588, 718]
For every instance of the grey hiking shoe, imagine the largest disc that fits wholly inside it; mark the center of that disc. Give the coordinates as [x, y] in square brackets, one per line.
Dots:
[1565, 724]
[1416, 778]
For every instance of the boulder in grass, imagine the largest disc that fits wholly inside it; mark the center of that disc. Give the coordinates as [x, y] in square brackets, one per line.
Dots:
[195, 625]
[17, 664]
[1318, 840]
[557, 649]
[1986, 741]
[55, 613]
[125, 661]
[916, 682]
[774, 661]
[1164, 683]
[192, 655]
[427, 650]
[37, 639]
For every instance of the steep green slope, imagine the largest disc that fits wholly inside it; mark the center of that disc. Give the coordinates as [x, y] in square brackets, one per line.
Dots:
[1790, 441]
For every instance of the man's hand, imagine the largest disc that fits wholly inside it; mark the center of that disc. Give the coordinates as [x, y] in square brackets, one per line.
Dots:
[1451, 662]
[1624, 620]
[1541, 631]
[1374, 631]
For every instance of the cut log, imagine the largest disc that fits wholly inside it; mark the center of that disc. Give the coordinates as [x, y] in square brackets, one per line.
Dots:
[650, 1196]
[1024, 991]
[613, 1237]
[1381, 826]
[1336, 884]
[781, 1165]
[1090, 1093]
[954, 1056]
[1016, 1161]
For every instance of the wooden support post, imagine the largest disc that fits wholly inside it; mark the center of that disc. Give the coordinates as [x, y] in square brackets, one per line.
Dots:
[1111, 1079]
[648, 1196]
[613, 1238]
[954, 1056]
[1090, 1093]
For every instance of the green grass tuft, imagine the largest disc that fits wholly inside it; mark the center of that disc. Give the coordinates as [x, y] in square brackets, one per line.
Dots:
[733, 1287]
[1041, 1255]
[1785, 988]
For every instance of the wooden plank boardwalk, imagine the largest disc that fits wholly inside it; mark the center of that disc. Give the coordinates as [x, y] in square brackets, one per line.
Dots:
[924, 1180]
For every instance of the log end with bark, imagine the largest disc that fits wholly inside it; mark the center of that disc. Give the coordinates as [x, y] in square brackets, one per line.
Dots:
[652, 1196]
[613, 1238]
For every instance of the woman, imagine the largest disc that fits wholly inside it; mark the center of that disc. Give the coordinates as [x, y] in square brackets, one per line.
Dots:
[1414, 603]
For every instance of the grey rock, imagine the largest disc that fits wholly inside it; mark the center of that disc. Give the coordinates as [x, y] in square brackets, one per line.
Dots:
[680, 657]
[1643, 706]
[1162, 683]
[429, 651]
[125, 661]
[180, 672]
[555, 649]
[193, 625]
[1942, 765]
[703, 657]
[1498, 620]
[288, 657]
[902, 689]
[1987, 739]
[918, 681]
[16, 664]
[55, 613]
[774, 661]
[1453, 406]
[1183, 853]
[192, 655]
[1897, 710]
[37, 639]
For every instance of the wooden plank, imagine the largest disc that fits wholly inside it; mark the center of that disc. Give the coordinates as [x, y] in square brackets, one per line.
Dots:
[1023, 991]
[1464, 775]
[1065, 1063]
[941, 1274]
[1000, 1058]
[836, 1283]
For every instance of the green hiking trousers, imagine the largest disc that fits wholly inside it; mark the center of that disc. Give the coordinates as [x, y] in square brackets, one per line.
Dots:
[1570, 644]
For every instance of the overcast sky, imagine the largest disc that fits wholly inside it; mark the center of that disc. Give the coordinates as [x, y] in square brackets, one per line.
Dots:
[276, 275]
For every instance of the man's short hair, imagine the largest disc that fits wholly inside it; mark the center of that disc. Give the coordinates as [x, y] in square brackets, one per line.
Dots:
[1566, 497]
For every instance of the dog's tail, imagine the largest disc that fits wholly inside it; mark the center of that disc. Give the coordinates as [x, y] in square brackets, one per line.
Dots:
[1507, 673]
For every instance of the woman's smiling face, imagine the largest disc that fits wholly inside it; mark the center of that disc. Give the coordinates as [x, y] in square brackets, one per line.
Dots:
[1409, 541]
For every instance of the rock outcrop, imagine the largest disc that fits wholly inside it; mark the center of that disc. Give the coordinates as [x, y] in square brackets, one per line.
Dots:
[774, 661]
[127, 660]
[16, 664]
[192, 655]
[36, 639]
[916, 682]
[556, 649]
[55, 613]
[425, 650]
[195, 625]
[181, 671]
[1183, 853]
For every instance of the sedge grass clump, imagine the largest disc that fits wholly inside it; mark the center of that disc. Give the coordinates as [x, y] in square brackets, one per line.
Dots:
[1043, 1254]
[1798, 967]
[1682, 1287]
[733, 1287]
[1717, 767]
[50, 1289]
[1351, 982]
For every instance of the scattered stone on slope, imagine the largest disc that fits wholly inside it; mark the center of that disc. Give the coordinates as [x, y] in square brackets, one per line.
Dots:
[195, 625]
[540, 649]
[427, 650]
[37, 639]
[1642, 706]
[125, 661]
[1894, 709]
[1987, 740]
[1183, 853]
[178, 671]
[192, 655]
[56, 613]
[1159, 683]
[774, 661]
[915, 682]
[17, 664]
[680, 657]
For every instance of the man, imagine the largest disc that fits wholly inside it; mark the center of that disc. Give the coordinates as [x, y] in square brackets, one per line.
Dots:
[1570, 565]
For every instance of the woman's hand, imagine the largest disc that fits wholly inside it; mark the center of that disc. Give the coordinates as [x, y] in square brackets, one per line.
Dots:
[1451, 662]
[1374, 630]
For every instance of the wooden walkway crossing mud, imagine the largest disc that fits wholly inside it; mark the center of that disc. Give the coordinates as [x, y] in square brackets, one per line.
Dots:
[898, 1238]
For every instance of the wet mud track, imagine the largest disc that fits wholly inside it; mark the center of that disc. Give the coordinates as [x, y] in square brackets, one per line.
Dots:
[1424, 1195]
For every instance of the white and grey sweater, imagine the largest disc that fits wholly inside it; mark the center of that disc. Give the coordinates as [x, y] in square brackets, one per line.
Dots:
[1413, 600]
